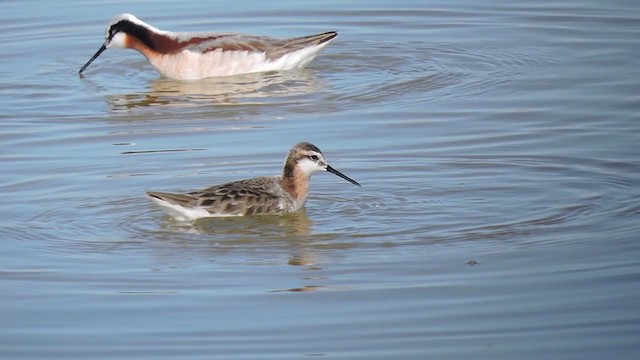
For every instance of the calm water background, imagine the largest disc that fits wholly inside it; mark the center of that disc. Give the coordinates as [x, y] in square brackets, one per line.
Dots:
[503, 133]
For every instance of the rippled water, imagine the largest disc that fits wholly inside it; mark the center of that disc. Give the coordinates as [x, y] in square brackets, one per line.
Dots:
[497, 145]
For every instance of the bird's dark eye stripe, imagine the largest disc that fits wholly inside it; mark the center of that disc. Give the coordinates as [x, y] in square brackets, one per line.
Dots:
[313, 157]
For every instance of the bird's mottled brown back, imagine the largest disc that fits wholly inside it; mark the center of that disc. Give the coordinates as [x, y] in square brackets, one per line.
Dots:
[245, 197]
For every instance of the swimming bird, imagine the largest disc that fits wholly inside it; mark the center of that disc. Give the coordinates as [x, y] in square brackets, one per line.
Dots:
[198, 55]
[272, 195]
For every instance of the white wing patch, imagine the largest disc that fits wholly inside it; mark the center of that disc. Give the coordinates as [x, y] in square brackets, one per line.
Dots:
[181, 213]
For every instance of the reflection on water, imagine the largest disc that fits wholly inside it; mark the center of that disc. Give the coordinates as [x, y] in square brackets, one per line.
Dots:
[232, 90]
[264, 226]
[304, 258]
[307, 288]
[289, 233]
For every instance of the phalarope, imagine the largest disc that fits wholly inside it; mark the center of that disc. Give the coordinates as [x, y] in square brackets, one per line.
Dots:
[272, 195]
[198, 55]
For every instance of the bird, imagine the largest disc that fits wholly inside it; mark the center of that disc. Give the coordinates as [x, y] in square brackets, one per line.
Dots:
[199, 55]
[267, 195]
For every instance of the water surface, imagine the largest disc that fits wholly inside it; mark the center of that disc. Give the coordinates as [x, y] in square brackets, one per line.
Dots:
[497, 145]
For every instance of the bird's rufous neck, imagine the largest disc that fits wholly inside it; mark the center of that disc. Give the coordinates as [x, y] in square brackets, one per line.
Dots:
[296, 183]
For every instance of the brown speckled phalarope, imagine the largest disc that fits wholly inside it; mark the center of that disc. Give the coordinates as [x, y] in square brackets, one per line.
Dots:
[272, 195]
[198, 55]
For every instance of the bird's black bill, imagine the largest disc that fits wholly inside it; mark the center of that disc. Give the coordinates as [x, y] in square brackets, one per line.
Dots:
[102, 48]
[334, 171]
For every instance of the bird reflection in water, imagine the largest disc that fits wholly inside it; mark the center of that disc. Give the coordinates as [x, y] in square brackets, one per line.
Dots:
[248, 89]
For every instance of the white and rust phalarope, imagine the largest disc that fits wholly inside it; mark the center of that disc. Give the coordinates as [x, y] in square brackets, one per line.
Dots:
[198, 55]
[270, 195]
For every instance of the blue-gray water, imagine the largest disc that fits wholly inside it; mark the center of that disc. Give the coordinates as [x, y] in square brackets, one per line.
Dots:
[502, 134]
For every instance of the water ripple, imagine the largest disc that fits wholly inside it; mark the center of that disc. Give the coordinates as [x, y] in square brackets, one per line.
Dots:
[419, 72]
